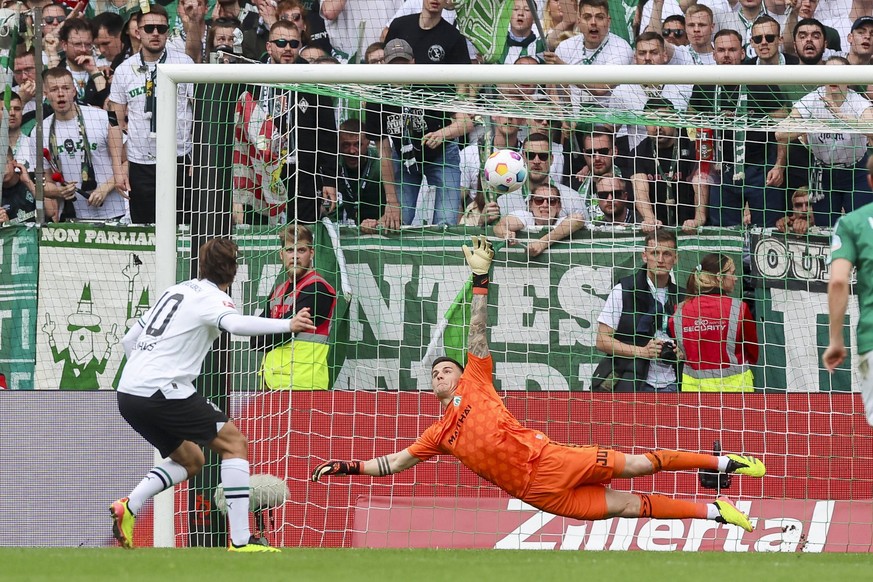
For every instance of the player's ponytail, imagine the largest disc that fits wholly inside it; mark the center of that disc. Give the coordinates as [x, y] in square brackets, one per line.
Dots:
[708, 275]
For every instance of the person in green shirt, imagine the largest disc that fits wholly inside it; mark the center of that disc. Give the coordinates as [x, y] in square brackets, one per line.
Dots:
[852, 246]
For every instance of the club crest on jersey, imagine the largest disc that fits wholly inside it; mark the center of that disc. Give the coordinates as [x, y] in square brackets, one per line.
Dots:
[456, 401]
[436, 53]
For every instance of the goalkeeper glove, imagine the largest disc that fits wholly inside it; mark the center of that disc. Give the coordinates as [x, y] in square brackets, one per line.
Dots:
[479, 259]
[337, 468]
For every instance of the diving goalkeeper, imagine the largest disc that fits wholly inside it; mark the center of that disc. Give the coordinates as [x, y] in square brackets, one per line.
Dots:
[559, 479]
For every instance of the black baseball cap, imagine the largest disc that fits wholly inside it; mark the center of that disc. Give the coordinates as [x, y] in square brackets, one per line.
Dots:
[862, 21]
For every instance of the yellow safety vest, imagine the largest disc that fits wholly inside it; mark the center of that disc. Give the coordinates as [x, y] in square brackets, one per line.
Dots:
[298, 365]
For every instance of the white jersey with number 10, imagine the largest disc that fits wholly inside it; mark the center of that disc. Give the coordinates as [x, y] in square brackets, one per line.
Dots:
[178, 332]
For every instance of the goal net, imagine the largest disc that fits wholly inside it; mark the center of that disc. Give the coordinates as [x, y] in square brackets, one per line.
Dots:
[749, 178]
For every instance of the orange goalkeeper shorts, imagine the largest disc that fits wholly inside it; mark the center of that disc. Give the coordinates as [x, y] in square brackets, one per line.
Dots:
[571, 481]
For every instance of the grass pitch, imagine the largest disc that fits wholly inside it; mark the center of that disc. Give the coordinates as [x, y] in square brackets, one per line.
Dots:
[330, 565]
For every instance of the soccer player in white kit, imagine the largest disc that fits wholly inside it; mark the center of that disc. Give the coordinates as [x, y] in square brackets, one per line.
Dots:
[156, 396]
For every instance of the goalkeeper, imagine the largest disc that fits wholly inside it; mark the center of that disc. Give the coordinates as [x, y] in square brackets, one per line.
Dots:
[559, 479]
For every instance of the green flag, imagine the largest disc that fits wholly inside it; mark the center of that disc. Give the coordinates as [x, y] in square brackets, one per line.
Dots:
[486, 24]
[621, 18]
[330, 264]
[457, 319]
[450, 335]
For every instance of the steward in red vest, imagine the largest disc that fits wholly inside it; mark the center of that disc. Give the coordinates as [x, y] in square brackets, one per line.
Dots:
[298, 361]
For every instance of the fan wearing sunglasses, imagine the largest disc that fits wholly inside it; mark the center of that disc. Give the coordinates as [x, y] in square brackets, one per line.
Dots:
[133, 98]
[537, 151]
[673, 30]
[767, 41]
[284, 43]
[600, 156]
[310, 23]
[543, 211]
[292, 11]
[53, 15]
[612, 199]
[290, 144]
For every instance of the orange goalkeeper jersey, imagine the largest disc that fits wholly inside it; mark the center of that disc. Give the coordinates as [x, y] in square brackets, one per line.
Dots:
[478, 429]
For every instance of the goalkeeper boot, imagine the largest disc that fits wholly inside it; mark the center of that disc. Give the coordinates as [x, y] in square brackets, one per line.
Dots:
[255, 545]
[743, 465]
[728, 513]
[122, 522]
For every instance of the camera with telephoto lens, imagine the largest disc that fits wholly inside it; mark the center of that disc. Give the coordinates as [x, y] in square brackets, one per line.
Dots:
[224, 55]
[668, 352]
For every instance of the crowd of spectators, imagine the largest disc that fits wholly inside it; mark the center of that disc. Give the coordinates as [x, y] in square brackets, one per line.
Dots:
[298, 156]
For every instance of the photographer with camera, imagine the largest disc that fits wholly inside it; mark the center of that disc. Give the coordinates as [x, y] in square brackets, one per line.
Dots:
[715, 331]
[632, 328]
[224, 41]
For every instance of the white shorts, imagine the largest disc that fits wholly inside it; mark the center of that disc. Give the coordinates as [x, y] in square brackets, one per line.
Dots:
[865, 373]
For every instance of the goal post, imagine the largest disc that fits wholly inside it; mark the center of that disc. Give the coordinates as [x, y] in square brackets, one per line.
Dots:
[401, 290]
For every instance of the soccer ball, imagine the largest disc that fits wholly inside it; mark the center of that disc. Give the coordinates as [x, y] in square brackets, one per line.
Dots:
[505, 170]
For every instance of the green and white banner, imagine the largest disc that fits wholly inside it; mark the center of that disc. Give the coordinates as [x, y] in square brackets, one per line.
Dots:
[19, 265]
[396, 293]
[543, 317]
[94, 282]
[792, 274]
[486, 24]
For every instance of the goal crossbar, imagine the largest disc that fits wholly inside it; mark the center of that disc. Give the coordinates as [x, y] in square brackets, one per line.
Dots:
[594, 74]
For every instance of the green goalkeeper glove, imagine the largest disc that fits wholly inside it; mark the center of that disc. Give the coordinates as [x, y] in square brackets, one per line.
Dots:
[479, 259]
[337, 468]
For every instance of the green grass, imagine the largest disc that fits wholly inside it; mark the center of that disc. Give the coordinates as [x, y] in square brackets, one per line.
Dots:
[330, 565]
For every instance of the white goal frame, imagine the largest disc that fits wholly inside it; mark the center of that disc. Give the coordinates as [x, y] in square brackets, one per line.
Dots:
[170, 75]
